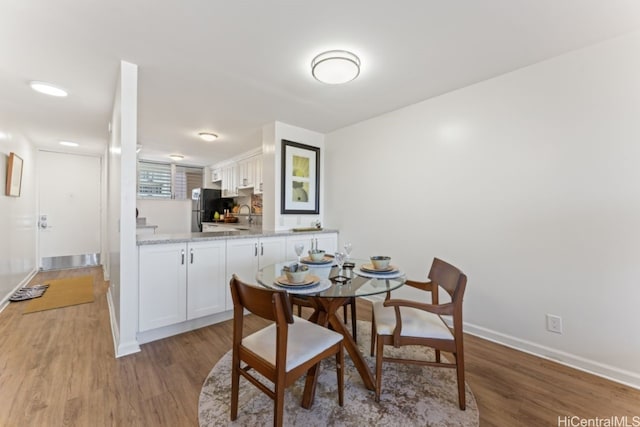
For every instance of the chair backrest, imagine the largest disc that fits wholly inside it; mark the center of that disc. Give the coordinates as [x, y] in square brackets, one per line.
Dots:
[450, 278]
[269, 304]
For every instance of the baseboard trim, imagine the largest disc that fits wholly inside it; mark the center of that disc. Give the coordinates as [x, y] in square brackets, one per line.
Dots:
[24, 282]
[119, 349]
[609, 372]
[182, 327]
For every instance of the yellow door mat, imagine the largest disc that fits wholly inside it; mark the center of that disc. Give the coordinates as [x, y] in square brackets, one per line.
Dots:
[62, 293]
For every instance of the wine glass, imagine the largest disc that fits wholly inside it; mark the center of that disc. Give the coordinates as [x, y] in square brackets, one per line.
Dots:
[347, 250]
[299, 247]
[339, 257]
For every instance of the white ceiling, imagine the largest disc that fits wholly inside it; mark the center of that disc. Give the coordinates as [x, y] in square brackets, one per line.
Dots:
[232, 66]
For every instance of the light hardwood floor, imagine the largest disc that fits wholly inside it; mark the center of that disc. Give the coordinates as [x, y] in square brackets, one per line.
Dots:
[57, 368]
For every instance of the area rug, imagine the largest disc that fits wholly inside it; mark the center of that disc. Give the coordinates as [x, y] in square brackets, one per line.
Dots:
[411, 395]
[62, 293]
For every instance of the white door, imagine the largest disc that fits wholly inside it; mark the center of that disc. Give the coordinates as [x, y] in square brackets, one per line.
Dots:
[69, 209]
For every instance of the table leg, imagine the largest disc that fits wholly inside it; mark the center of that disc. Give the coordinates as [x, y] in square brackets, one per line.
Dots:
[326, 314]
[353, 350]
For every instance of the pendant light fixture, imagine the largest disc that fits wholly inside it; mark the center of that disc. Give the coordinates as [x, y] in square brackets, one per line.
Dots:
[335, 67]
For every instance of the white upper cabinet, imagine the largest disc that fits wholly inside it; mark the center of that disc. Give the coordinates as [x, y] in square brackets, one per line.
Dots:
[229, 181]
[246, 174]
[257, 172]
[216, 174]
[241, 172]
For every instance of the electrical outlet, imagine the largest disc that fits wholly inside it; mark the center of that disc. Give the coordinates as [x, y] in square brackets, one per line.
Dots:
[554, 323]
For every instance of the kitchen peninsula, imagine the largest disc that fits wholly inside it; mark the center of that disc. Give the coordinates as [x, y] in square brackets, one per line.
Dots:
[184, 278]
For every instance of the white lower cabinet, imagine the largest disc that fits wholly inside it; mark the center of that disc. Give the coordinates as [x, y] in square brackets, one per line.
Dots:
[180, 281]
[205, 278]
[163, 285]
[325, 241]
[246, 256]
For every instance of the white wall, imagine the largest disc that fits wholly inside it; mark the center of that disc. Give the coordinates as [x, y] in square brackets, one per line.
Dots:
[123, 252]
[171, 216]
[17, 215]
[272, 136]
[530, 183]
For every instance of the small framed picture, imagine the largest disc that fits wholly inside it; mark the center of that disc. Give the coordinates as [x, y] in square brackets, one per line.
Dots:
[300, 178]
[14, 175]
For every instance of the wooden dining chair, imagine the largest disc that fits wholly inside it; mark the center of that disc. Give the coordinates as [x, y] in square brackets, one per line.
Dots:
[401, 322]
[281, 352]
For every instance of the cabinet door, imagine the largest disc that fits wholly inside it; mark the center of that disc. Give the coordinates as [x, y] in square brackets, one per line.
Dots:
[224, 184]
[272, 250]
[242, 259]
[257, 172]
[327, 241]
[305, 239]
[245, 173]
[162, 285]
[206, 278]
[216, 175]
[229, 178]
[233, 180]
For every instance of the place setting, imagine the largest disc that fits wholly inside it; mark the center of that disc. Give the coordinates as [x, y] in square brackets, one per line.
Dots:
[297, 279]
[317, 257]
[379, 267]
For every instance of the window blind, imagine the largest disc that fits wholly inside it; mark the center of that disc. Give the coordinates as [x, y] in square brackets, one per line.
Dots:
[186, 179]
[167, 181]
[154, 180]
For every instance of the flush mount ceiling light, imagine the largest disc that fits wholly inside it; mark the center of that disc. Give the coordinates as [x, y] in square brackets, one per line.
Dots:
[176, 156]
[48, 89]
[69, 143]
[208, 136]
[335, 67]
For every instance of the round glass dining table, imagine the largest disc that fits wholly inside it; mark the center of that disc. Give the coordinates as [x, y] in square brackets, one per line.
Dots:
[335, 288]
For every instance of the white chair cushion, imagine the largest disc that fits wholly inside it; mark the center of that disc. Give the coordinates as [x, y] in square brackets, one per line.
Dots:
[415, 323]
[304, 341]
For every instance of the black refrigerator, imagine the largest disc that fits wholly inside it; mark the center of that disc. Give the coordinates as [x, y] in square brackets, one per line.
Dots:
[205, 203]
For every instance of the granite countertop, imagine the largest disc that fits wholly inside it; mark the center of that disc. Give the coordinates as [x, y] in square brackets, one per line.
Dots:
[157, 239]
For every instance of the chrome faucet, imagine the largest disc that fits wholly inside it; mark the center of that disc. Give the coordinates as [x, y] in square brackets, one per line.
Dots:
[248, 207]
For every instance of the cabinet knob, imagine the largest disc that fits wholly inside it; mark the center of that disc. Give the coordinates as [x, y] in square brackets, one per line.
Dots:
[182, 253]
[256, 250]
[191, 253]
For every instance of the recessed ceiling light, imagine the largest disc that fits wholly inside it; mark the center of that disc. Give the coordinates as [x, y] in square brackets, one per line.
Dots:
[48, 89]
[69, 143]
[335, 67]
[176, 156]
[208, 136]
